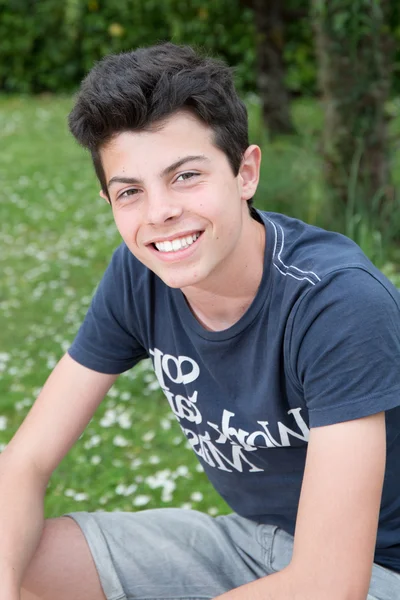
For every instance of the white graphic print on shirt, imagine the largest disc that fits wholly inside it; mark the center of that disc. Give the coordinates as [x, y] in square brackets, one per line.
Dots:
[229, 447]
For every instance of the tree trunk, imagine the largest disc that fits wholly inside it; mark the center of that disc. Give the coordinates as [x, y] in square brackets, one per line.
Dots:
[354, 50]
[271, 70]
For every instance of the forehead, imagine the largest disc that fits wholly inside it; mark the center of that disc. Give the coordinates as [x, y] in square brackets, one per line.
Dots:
[168, 140]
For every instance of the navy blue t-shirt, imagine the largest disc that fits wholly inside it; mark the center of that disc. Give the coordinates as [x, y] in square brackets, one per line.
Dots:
[320, 344]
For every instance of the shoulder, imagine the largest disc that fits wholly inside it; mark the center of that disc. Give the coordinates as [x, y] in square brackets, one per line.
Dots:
[311, 248]
[322, 259]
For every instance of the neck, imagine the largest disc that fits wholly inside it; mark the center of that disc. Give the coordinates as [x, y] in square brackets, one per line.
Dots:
[223, 299]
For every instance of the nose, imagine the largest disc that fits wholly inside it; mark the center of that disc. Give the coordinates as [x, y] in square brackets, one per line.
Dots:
[161, 207]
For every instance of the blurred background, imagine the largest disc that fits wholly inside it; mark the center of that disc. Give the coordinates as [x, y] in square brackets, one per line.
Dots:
[321, 80]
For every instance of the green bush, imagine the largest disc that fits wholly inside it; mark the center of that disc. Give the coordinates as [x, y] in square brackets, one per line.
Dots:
[50, 45]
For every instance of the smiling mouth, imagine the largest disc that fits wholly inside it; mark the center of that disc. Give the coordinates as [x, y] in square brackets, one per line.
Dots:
[178, 243]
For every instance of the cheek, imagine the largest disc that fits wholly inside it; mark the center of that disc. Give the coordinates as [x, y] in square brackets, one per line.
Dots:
[128, 235]
[127, 224]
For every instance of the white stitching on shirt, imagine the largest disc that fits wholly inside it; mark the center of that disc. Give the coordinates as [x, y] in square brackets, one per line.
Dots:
[277, 256]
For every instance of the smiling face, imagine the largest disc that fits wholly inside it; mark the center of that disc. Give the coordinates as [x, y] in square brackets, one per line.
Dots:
[176, 202]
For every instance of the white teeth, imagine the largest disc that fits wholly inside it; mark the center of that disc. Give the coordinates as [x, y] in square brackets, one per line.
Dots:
[177, 244]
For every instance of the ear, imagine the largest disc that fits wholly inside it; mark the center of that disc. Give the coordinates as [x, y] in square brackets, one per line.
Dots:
[105, 197]
[249, 172]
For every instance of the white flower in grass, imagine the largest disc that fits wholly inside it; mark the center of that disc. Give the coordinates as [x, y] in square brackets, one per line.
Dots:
[196, 497]
[51, 362]
[22, 404]
[109, 418]
[141, 500]
[163, 480]
[136, 463]
[3, 423]
[153, 386]
[125, 490]
[147, 437]
[168, 488]
[120, 441]
[65, 344]
[81, 497]
[94, 441]
[213, 511]
[132, 375]
[158, 480]
[124, 420]
[186, 505]
[120, 489]
[199, 468]
[69, 493]
[95, 460]
[165, 424]
[181, 471]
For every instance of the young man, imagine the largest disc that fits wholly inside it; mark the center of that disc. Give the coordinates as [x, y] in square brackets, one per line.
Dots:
[277, 345]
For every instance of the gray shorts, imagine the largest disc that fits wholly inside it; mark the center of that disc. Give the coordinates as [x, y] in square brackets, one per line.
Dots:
[171, 554]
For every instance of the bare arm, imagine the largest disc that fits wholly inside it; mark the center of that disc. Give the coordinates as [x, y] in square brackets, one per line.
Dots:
[60, 414]
[337, 519]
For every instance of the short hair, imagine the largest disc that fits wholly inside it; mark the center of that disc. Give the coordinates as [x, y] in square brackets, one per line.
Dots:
[133, 91]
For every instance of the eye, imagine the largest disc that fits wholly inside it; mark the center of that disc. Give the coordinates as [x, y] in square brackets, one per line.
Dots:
[186, 176]
[127, 193]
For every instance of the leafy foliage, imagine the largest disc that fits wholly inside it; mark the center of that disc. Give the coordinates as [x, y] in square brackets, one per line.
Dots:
[49, 45]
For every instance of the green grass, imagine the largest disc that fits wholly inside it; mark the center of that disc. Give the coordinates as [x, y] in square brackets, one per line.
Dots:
[56, 237]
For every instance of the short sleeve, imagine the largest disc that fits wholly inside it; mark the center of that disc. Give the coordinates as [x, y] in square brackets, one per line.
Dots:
[345, 347]
[106, 341]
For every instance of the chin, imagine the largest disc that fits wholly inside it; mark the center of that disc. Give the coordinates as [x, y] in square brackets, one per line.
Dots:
[181, 281]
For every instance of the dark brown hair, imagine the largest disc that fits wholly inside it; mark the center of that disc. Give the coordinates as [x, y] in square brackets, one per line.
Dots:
[134, 90]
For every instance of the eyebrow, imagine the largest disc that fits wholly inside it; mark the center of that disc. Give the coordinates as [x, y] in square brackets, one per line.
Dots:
[164, 172]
